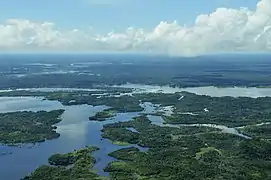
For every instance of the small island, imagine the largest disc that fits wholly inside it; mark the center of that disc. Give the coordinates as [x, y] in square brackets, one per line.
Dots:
[120, 136]
[103, 115]
[29, 127]
[74, 165]
[172, 152]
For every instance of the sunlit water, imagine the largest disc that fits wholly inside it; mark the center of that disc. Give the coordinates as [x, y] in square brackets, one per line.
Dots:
[159, 121]
[253, 92]
[208, 90]
[50, 89]
[77, 131]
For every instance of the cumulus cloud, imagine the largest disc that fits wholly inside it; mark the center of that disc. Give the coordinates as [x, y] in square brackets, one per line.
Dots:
[224, 30]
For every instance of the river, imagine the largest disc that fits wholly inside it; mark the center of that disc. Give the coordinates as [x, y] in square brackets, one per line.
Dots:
[252, 92]
[77, 131]
[208, 90]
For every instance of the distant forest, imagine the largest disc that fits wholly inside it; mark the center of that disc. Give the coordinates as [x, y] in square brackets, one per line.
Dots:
[91, 70]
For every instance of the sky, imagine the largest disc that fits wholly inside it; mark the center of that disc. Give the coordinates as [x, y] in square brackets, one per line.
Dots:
[175, 27]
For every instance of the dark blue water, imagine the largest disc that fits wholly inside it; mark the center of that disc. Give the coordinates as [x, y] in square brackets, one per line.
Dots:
[76, 132]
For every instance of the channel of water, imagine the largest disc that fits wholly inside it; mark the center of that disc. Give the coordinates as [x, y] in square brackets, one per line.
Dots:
[78, 131]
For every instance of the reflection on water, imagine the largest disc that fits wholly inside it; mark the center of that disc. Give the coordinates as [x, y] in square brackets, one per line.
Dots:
[209, 90]
[149, 107]
[106, 146]
[11, 104]
[224, 129]
[159, 121]
[76, 132]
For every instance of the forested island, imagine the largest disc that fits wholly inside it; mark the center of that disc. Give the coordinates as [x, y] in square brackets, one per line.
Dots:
[29, 127]
[103, 115]
[74, 165]
[105, 96]
[228, 111]
[172, 152]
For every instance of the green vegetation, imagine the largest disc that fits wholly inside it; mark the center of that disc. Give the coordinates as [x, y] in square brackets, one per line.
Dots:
[228, 111]
[237, 70]
[121, 143]
[75, 165]
[206, 151]
[121, 154]
[149, 135]
[28, 127]
[97, 91]
[177, 153]
[72, 158]
[201, 152]
[62, 159]
[104, 96]
[120, 136]
[174, 153]
[119, 104]
[102, 116]
[259, 131]
[256, 149]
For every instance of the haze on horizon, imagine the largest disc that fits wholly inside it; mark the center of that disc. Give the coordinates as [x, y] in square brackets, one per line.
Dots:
[169, 28]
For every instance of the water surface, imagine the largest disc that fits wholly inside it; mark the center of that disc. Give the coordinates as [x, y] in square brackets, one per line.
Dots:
[253, 92]
[208, 90]
[159, 121]
[76, 131]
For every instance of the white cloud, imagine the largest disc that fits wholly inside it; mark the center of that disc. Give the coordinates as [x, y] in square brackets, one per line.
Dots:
[225, 30]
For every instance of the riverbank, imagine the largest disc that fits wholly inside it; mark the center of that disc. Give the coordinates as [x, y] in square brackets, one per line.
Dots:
[156, 132]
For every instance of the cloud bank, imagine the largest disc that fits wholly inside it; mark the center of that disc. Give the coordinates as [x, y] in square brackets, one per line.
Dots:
[224, 30]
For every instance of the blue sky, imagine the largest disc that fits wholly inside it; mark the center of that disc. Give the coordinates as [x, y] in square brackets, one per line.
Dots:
[172, 27]
[107, 15]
